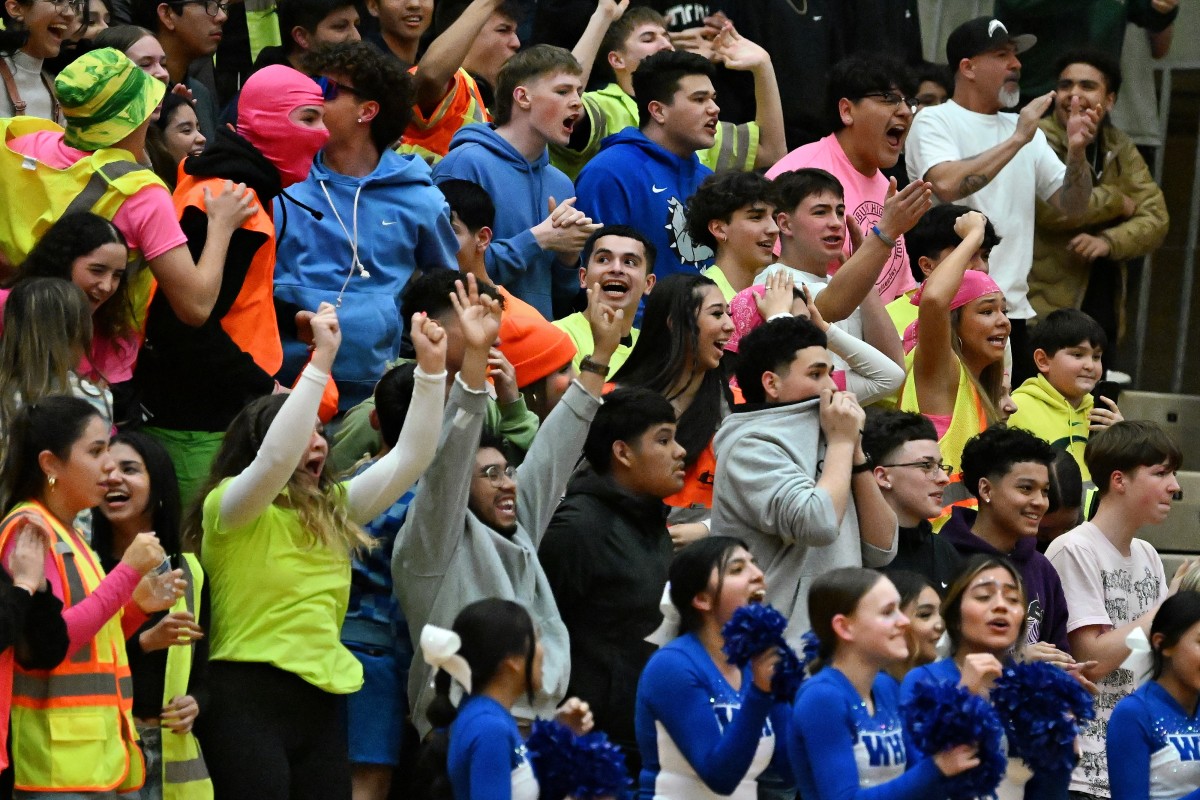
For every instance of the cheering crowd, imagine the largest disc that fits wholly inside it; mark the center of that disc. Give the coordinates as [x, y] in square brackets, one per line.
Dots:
[734, 389]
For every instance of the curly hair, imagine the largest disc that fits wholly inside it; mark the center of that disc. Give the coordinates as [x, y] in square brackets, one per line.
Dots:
[719, 197]
[373, 76]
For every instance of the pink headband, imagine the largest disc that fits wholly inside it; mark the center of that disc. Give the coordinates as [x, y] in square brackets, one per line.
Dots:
[743, 308]
[975, 284]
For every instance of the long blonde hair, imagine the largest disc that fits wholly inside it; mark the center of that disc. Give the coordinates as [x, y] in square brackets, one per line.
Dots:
[320, 507]
[48, 327]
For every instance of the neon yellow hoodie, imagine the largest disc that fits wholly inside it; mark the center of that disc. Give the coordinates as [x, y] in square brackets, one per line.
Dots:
[1043, 411]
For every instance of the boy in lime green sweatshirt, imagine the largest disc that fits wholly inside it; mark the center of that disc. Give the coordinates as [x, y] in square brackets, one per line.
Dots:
[1057, 404]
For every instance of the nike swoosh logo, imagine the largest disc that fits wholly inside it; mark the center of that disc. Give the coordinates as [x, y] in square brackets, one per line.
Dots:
[387, 222]
[657, 190]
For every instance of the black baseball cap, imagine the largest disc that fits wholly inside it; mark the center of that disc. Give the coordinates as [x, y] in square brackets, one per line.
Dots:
[979, 36]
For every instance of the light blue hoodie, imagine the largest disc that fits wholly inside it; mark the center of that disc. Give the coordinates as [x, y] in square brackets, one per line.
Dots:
[521, 191]
[403, 225]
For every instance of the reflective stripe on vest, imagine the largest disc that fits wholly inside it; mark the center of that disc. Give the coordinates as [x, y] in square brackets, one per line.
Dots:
[72, 728]
[185, 775]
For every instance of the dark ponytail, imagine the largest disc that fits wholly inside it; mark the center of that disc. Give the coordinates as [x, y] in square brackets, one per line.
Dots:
[491, 630]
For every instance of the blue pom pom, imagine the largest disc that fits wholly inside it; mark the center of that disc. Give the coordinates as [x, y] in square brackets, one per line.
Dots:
[941, 715]
[810, 647]
[752, 629]
[1041, 707]
[789, 674]
[583, 767]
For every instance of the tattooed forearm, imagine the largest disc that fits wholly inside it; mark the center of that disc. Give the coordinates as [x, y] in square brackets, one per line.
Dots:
[972, 184]
[1076, 188]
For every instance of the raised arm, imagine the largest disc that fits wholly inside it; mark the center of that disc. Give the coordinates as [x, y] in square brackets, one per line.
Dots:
[954, 180]
[375, 489]
[856, 277]
[446, 54]
[253, 490]
[1072, 196]
[935, 366]
[588, 47]
[190, 287]
[739, 53]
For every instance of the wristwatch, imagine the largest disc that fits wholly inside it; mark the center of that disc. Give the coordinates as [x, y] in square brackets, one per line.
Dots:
[865, 466]
[594, 367]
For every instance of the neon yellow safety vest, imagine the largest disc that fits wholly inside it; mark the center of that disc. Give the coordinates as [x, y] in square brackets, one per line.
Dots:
[34, 196]
[185, 775]
[72, 726]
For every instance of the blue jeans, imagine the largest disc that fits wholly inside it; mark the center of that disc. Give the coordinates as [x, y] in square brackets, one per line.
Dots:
[151, 743]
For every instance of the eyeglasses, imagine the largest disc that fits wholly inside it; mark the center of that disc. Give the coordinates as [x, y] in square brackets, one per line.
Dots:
[75, 7]
[211, 7]
[330, 89]
[894, 99]
[930, 467]
[494, 472]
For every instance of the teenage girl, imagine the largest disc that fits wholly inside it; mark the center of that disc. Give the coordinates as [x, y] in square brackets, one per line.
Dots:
[705, 728]
[678, 354]
[32, 32]
[495, 654]
[956, 370]
[847, 738]
[90, 252]
[1154, 733]
[277, 532]
[985, 617]
[921, 603]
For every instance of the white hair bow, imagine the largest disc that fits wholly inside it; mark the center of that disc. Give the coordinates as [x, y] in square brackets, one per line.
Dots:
[1140, 660]
[439, 648]
[669, 629]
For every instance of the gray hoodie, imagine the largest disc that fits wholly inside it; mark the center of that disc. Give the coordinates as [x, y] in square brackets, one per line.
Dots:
[445, 558]
[768, 463]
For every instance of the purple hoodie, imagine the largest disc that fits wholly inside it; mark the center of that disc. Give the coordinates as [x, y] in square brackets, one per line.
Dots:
[1047, 603]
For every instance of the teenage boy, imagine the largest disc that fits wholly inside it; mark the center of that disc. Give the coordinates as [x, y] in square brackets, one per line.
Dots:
[907, 465]
[642, 177]
[932, 239]
[402, 23]
[811, 215]
[1115, 581]
[1083, 265]
[371, 189]
[872, 109]
[734, 213]
[450, 80]
[621, 260]
[1007, 470]
[1057, 404]
[640, 32]
[188, 30]
[534, 256]
[473, 219]
[792, 479]
[475, 525]
[607, 550]
[308, 25]
[429, 293]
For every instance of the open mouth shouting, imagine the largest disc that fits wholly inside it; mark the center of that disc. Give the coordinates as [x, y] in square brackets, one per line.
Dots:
[615, 289]
[895, 136]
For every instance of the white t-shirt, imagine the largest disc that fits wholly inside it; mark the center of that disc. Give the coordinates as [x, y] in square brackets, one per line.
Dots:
[1104, 588]
[950, 132]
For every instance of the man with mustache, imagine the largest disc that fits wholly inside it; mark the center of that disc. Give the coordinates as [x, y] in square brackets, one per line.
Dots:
[1000, 163]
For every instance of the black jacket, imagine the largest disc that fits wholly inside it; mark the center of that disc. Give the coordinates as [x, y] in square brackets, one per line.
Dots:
[198, 379]
[606, 554]
[928, 554]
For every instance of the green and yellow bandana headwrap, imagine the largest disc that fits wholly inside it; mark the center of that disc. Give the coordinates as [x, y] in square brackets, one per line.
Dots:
[105, 97]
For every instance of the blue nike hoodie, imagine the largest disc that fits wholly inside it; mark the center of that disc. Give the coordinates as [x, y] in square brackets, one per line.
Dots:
[633, 181]
[521, 190]
[403, 224]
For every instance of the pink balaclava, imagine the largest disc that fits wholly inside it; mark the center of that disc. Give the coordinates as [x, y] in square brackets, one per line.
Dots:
[267, 97]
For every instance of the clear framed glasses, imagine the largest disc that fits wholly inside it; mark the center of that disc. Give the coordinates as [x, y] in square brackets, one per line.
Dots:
[211, 7]
[894, 99]
[930, 467]
[496, 474]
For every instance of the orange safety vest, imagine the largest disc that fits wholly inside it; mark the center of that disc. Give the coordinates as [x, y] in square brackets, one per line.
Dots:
[72, 726]
[462, 105]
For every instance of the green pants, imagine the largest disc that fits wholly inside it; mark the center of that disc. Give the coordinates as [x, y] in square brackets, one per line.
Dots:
[192, 453]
